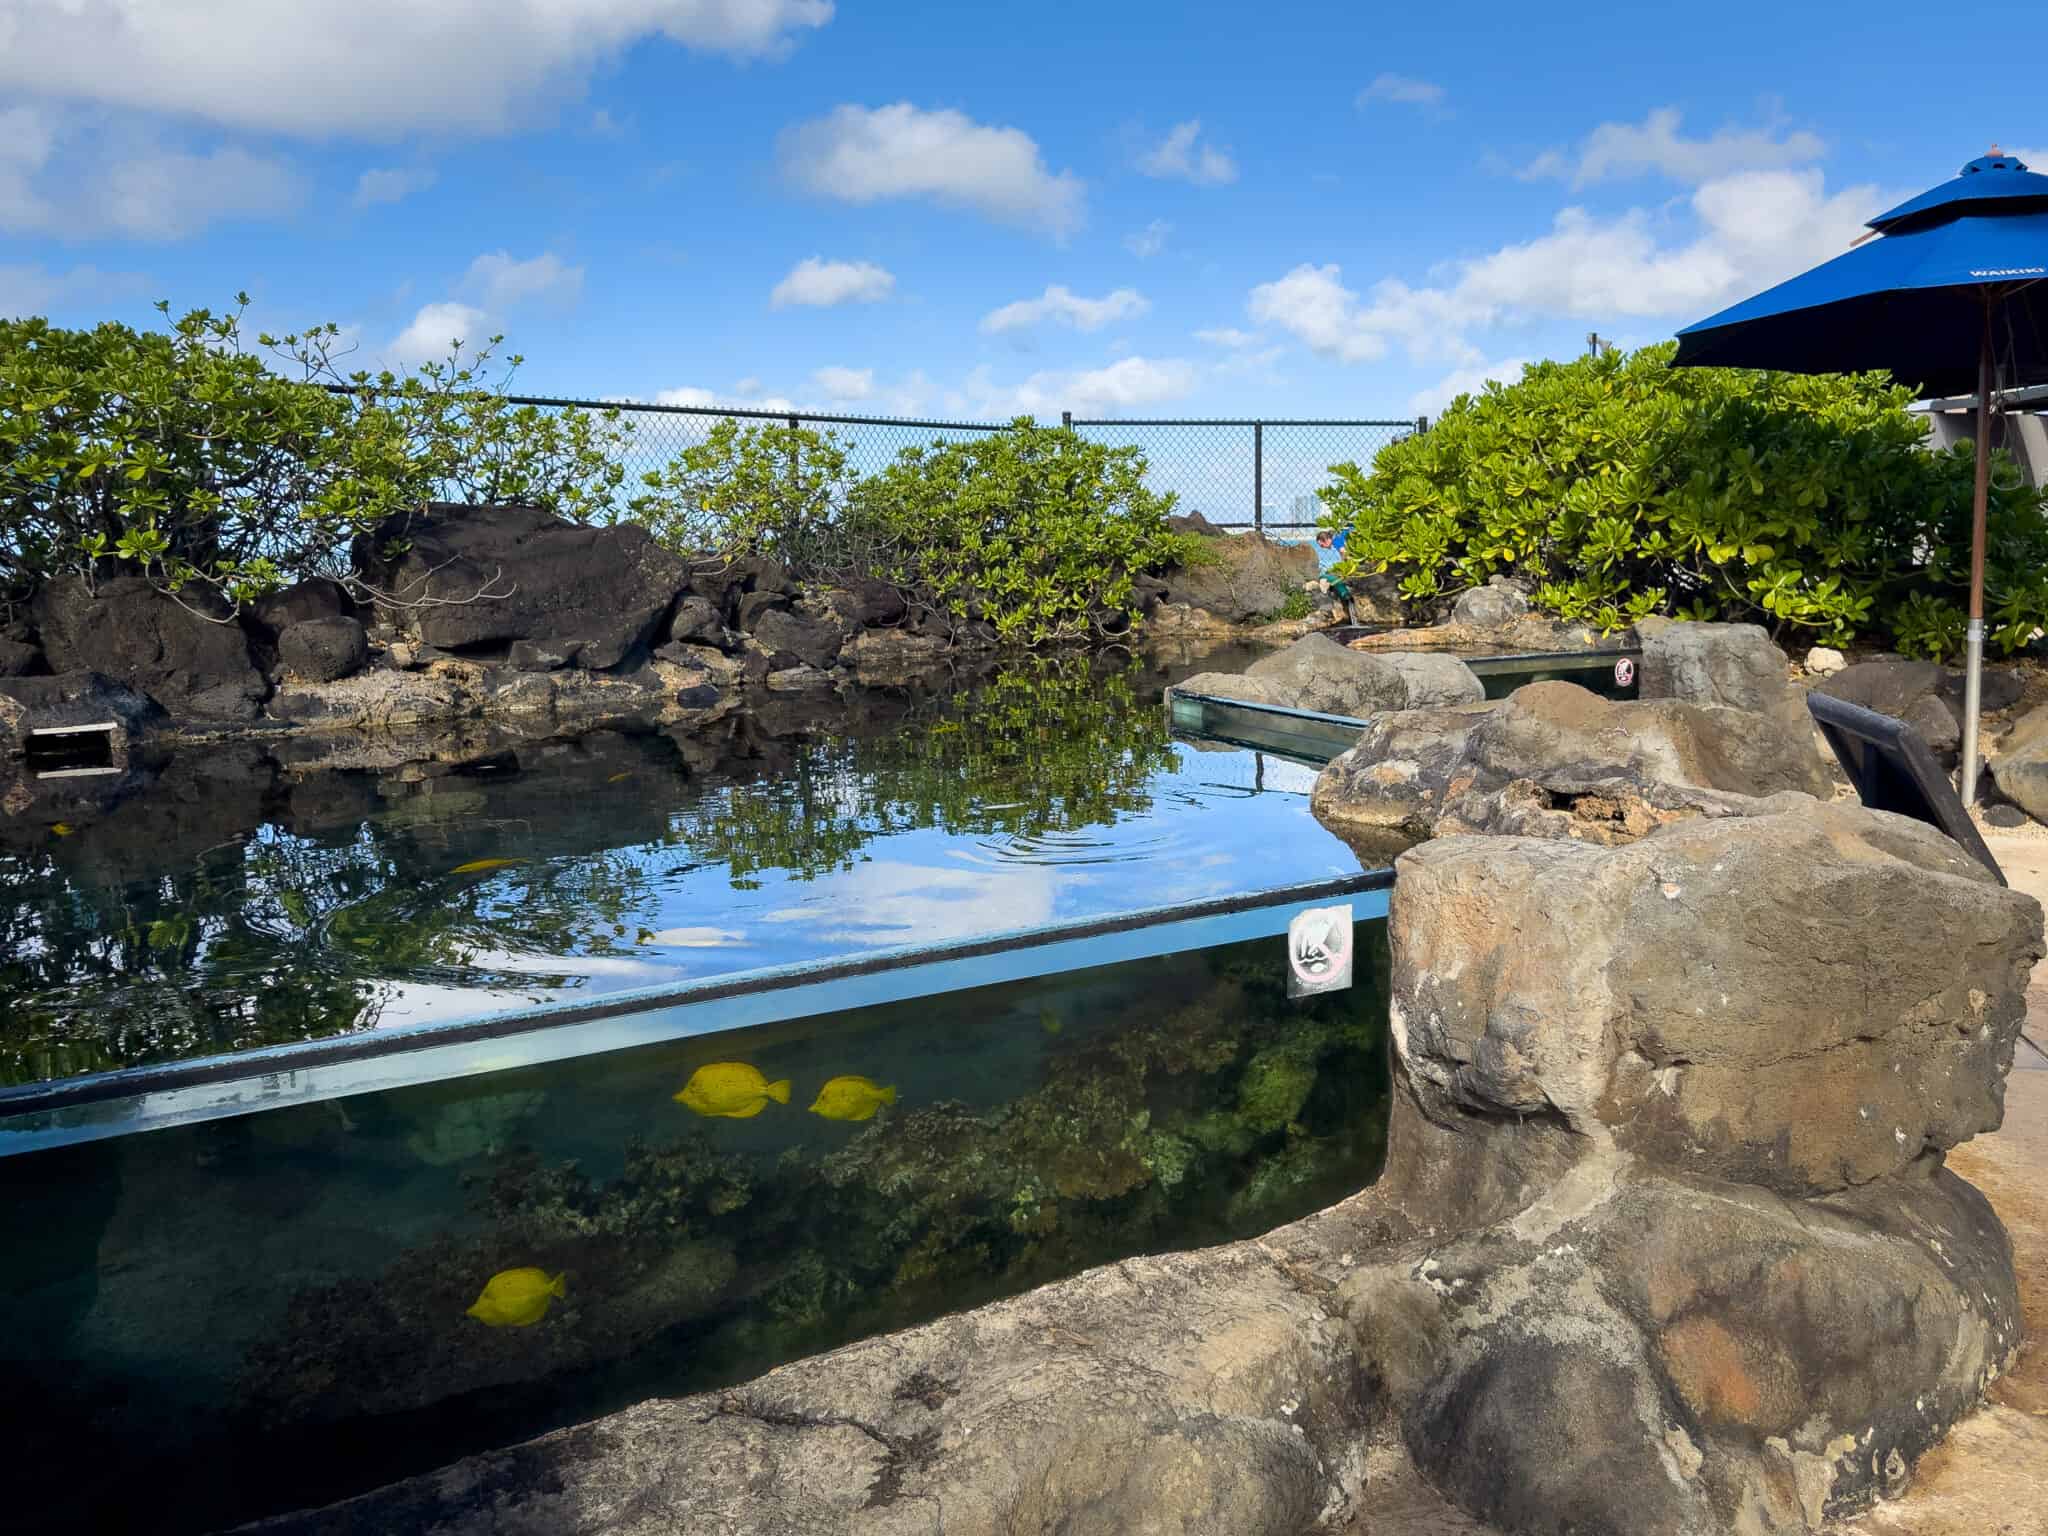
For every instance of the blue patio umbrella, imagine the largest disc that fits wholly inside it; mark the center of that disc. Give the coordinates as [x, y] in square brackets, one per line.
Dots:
[1949, 292]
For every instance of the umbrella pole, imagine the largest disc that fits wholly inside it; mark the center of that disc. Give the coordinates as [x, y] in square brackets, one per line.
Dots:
[1973, 673]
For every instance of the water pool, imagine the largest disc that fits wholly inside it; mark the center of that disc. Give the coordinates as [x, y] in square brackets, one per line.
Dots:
[250, 901]
[211, 1321]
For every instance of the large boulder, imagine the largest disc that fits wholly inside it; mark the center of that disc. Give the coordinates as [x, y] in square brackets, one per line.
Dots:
[1317, 673]
[1731, 664]
[1493, 606]
[1777, 1000]
[1559, 760]
[1433, 678]
[1641, 1355]
[2021, 767]
[1242, 577]
[317, 597]
[1745, 1295]
[476, 579]
[809, 635]
[321, 650]
[18, 658]
[1924, 694]
[186, 652]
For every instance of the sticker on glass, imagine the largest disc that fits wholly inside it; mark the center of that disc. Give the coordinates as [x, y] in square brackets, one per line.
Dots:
[1319, 951]
[1624, 672]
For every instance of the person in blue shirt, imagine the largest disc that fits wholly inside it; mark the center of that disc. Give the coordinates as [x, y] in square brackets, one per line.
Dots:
[1329, 550]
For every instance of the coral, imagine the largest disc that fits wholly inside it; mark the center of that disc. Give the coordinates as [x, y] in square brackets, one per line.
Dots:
[471, 1127]
[1275, 1085]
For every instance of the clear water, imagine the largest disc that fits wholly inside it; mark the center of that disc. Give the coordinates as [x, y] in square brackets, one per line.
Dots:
[204, 1324]
[250, 898]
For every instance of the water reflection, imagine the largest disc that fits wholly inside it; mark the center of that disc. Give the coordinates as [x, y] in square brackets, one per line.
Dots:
[259, 895]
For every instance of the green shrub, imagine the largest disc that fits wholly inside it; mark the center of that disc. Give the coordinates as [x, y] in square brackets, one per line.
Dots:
[1623, 487]
[175, 453]
[759, 486]
[1037, 529]
[187, 458]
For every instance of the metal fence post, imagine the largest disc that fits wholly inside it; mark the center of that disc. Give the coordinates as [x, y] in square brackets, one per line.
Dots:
[1422, 424]
[1067, 420]
[1259, 478]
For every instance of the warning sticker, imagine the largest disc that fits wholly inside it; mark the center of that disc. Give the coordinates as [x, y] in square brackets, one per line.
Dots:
[1319, 951]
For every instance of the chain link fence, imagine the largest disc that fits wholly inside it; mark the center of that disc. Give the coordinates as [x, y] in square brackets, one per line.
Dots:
[1256, 474]
[1264, 475]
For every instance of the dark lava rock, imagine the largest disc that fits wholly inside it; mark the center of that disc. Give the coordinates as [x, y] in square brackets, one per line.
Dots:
[761, 573]
[76, 698]
[314, 598]
[696, 619]
[187, 653]
[322, 650]
[18, 658]
[871, 604]
[528, 656]
[494, 575]
[754, 604]
[2005, 816]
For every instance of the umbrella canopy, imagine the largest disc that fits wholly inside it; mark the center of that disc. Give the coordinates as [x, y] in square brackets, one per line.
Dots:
[1911, 301]
[1949, 293]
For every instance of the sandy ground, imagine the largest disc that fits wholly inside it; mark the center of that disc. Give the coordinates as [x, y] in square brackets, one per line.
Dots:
[1990, 1478]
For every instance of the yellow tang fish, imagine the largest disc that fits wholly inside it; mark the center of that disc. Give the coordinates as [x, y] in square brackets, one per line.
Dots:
[618, 776]
[62, 828]
[517, 1298]
[478, 866]
[731, 1090]
[852, 1098]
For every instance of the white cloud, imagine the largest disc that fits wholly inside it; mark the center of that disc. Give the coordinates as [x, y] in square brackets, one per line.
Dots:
[496, 281]
[391, 185]
[822, 284]
[1124, 385]
[28, 290]
[1062, 305]
[373, 68]
[1228, 336]
[710, 399]
[1656, 144]
[1402, 90]
[1150, 241]
[1179, 157]
[434, 332]
[2035, 160]
[61, 174]
[1751, 230]
[1464, 381]
[845, 383]
[874, 154]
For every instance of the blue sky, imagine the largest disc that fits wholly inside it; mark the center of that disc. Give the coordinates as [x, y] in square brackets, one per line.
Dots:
[966, 211]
